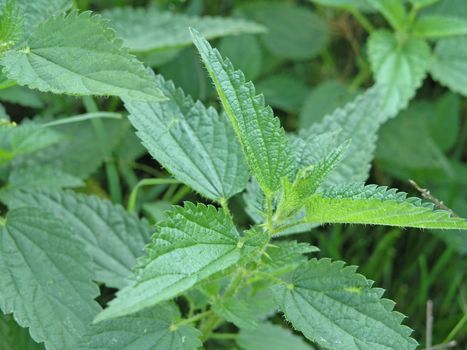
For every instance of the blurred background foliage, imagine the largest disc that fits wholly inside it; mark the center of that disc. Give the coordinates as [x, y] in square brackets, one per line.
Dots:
[313, 59]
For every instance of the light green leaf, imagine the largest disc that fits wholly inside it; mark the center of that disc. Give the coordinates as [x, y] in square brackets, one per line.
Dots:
[14, 337]
[439, 26]
[320, 289]
[192, 244]
[260, 134]
[45, 278]
[113, 238]
[449, 65]
[294, 32]
[145, 29]
[150, 329]
[49, 60]
[373, 205]
[34, 177]
[237, 311]
[400, 67]
[194, 143]
[21, 96]
[392, 10]
[270, 337]
[284, 256]
[358, 121]
[451, 8]
[11, 24]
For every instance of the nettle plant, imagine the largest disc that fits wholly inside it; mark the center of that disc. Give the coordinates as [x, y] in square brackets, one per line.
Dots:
[201, 281]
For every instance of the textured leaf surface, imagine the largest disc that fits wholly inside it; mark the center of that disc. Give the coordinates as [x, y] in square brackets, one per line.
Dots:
[294, 32]
[236, 311]
[11, 24]
[270, 337]
[50, 60]
[144, 29]
[113, 238]
[400, 68]
[45, 278]
[14, 337]
[337, 308]
[194, 143]
[260, 134]
[377, 206]
[358, 121]
[192, 244]
[450, 63]
[147, 330]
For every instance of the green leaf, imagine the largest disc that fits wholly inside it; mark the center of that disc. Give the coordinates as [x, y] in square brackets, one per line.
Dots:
[358, 121]
[113, 238]
[14, 337]
[345, 4]
[323, 100]
[260, 134]
[284, 91]
[320, 289]
[392, 10]
[194, 143]
[439, 26]
[37, 11]
[286, 255]
[49, 60]
[400, 67]
[294, 32]
[449, 65]
[236, 311]
[21, 96]
[373, 205]
[450, 8]
[244, 51]
[145, 29]
[11, 24]
[192, 244]
[45, 278]
[270, 337]
[148, 330]
[34, 177]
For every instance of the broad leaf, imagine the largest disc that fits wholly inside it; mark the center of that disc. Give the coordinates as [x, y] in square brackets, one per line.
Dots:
[150, 329]
[50, 60]
[260, 134]
[113, 238]
[45, 278]
[35, 177]
[11, 24]
[21, 96]
[194, 143]
[270, 337]
[192, 244]
[14, 337]
[399, 66]
[145, 29]
[359, 122]
[449, 65]
[357, 204]
[392, 10]
[439, 26]
[319, 291]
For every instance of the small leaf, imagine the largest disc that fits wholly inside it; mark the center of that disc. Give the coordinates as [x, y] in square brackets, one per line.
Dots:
[45, 278]
[51, 60]
[439, 26]
[399, 67]
[113, 238]
[150, 329]
[192, 244]
[145, 29]
[194, 143]
[260, 134]
[375, 205]
[320, 289]
[270, 337]
[236, 311]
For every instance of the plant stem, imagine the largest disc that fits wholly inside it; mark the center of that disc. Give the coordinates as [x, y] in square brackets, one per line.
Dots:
[192, 319]
[361, 19]
[82, 117]
[269, 224]
[146, 182]
[456, 329]
[225, 205]
[180, 194]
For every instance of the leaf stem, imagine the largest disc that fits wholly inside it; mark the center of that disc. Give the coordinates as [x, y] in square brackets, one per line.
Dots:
[269, 224]
[146, 182]
[192, 319]
[225, 206]
[361, 19]
[83, 117]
